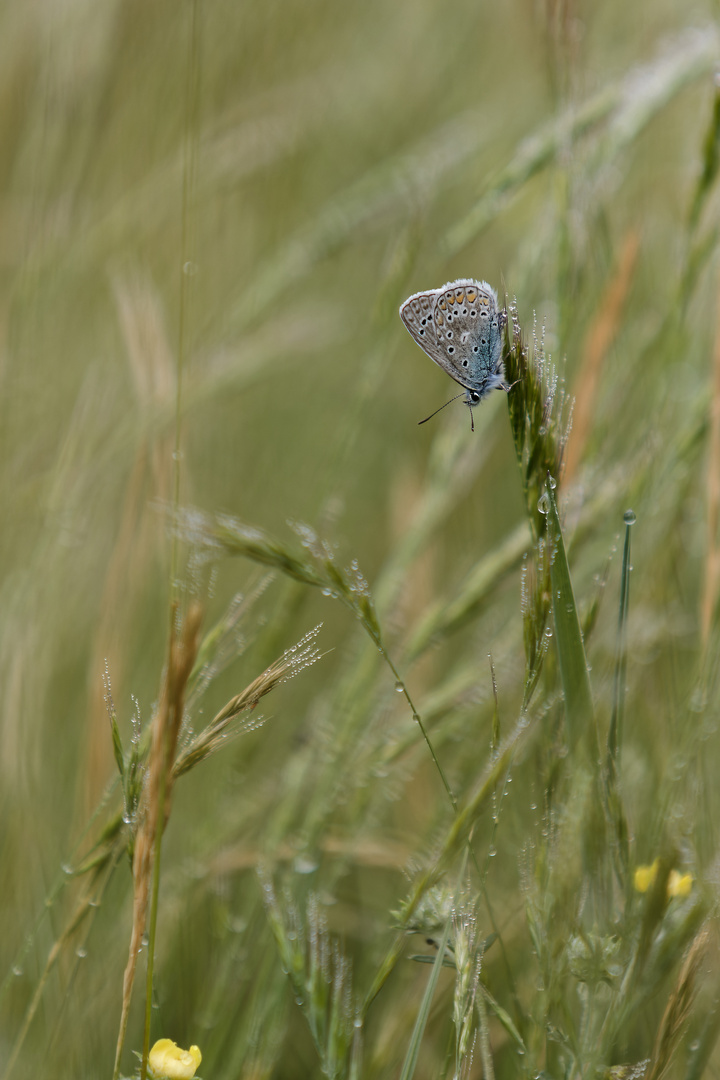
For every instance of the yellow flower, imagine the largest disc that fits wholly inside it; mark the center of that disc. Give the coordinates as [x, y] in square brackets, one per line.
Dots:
[679, 884]
[645, 876]
[168, 1062]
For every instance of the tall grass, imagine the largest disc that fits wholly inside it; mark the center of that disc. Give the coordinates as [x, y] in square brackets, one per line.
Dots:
[470, 826]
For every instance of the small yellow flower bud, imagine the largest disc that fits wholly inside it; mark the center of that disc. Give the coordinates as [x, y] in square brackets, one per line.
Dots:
[167, 1061]
[645, 876]
[679, 884]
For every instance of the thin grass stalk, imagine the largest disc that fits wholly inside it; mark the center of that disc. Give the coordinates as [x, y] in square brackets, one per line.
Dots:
[189, 152]
[615, 731]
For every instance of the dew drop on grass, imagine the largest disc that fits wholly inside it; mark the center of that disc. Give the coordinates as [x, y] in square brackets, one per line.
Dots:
[399, 687]
[544, 503]
[81, 953]
[17, 970]
[629, 517]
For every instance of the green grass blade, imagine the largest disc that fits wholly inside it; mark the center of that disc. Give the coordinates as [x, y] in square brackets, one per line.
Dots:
[568, 636]
[413, 1049]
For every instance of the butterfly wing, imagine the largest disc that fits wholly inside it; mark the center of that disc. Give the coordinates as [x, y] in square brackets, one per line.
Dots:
[460, 328]
[418, 315]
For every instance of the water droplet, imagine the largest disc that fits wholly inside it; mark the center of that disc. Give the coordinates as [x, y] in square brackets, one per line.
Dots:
[552, 482]
[17, 970]
[81, 953]
[629, 517]
[544, 503]
[305, 865]
[492, 851]
[399, 687]
[189, 268]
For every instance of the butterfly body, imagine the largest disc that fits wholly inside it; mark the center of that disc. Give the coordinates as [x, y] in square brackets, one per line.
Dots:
[461, 328]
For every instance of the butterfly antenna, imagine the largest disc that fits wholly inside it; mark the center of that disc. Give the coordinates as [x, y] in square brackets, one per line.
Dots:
[440, 409]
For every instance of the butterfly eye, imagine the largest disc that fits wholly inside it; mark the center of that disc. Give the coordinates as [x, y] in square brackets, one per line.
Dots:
[474, 395]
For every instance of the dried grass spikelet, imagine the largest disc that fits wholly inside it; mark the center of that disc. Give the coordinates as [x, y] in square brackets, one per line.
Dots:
[205, 742]
[679, 1006]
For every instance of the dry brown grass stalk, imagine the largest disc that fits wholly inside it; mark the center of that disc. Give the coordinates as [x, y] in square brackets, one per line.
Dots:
[599, 339]
[157, 792]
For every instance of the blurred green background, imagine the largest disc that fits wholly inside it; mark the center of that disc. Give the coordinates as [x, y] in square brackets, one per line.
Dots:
[248, 192]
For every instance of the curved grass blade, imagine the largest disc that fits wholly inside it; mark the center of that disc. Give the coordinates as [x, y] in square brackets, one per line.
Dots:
[568, 636]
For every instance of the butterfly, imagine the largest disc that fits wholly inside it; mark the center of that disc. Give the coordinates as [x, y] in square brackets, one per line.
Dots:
[460, 327]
